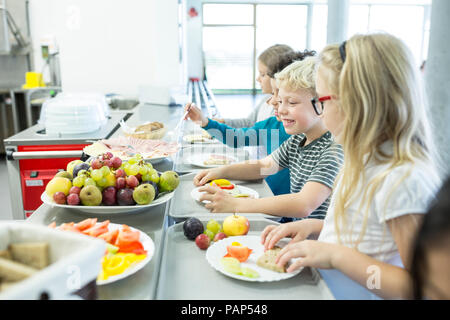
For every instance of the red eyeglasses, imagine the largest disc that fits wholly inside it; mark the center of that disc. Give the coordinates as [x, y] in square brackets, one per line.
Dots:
[318, 104]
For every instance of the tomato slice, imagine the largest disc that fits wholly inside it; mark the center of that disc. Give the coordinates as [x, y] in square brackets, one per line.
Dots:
[126, 236]
[133, 247]
[70, 226]
[86, 224]
[239, 252]
[110, 236]
[97, 229]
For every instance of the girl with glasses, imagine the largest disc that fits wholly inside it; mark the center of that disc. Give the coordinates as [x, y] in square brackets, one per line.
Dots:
[377, 110]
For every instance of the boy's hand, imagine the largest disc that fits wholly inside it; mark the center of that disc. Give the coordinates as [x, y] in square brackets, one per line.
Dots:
[220, 200]
[207, 175]
[195, 114]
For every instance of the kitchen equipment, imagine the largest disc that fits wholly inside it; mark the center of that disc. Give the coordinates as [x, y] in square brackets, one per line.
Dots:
[74, 113]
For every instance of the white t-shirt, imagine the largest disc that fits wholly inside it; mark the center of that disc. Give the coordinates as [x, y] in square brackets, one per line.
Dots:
[265, 110]
[412, 196]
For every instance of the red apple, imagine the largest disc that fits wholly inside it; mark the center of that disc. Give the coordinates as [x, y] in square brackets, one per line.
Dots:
[219, 236]
[59, 197]
[236, 225]
[202, 241]
[75, 190]
[73, 199]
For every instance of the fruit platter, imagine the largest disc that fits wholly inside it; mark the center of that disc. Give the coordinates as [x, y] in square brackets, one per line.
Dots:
[109, 185]
[231, 251]
[128, 249]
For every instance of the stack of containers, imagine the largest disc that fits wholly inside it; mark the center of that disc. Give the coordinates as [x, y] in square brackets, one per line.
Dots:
[74, 113]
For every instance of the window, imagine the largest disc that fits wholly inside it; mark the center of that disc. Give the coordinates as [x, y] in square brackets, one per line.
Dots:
[406, 19]
[234, 35]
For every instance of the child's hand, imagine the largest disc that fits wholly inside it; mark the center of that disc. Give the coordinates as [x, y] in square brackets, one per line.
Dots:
[313, 254]
[195, 114]
[207, 175]
[297, 230]
[220, 200]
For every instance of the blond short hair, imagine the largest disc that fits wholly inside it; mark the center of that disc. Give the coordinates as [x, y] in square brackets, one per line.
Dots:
[298, 75]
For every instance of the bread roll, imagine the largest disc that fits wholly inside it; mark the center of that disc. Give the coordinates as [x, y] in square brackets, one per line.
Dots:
[14, 271]
[32, 254]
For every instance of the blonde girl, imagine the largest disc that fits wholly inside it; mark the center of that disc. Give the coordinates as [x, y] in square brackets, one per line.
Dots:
[370, 96]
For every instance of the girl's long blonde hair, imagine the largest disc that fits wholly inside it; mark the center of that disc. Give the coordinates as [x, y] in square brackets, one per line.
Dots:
[382, 99]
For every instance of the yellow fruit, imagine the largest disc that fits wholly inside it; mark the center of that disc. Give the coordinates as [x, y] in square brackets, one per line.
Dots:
[58, 184]
[236, 225]
[72, 165]
[110, 180]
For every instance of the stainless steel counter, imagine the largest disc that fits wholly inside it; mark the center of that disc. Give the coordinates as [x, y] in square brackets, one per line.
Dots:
[142, 284]
[150, 282]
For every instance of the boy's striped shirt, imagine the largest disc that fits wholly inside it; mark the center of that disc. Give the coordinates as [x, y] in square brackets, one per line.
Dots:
[319, 161]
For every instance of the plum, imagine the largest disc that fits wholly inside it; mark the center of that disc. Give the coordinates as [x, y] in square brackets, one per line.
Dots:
[192, 227]
[109, 196]
[79, 167]
[125, 197]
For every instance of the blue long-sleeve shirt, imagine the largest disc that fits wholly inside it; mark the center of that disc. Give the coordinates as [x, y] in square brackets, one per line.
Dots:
[269, 133]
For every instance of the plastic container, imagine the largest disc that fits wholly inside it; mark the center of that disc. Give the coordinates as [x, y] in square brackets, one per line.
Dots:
[74, 113]
[75, 262]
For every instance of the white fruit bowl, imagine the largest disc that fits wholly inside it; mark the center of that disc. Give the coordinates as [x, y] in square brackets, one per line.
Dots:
[99, 210]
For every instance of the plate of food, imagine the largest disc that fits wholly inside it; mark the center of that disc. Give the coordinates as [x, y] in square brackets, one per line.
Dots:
[105, 210]
[243, 258]
[233, 189]
[148, 130]
[128, 249]
[127, 147]
[202, 137]
[211, 160]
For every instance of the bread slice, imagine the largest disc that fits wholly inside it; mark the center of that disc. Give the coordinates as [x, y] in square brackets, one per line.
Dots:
[267, 260]
[14, 271]
[6, 285]
[5, 254]
[32, 254]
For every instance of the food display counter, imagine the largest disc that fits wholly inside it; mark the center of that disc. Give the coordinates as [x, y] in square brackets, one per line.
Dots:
[178, 264]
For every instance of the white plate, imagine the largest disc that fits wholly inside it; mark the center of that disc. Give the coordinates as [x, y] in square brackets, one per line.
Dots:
[219, 249]
[195, 194]
[199, 159]
[98, 210]
[148, 245]
[188, 138]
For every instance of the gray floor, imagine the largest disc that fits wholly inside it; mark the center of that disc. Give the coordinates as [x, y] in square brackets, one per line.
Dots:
[230, 106]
